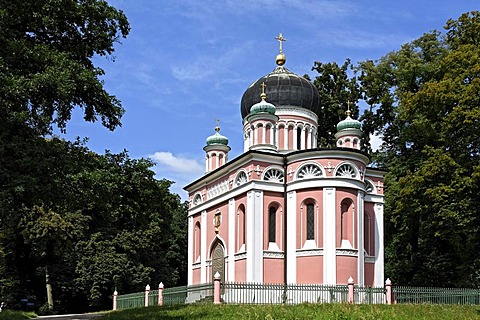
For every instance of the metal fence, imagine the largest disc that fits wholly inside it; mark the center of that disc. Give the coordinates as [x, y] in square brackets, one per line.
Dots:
[436, 295]
[131, 300]
[255, 293]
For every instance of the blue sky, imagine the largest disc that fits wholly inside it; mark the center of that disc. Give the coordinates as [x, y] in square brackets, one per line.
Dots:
[187, 62]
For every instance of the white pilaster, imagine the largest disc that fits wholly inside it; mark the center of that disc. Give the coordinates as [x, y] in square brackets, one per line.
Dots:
[231, 240]
[203, 248]
[285, 137]
[329, 237]
[276, 137]
[291, 237]
[361, 240]
[302, 139]
[294, 140]
[379, 246]
[255, 232]
[190, 251]
[264, 135]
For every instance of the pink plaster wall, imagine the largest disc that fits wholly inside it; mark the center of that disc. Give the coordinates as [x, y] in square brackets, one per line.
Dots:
[346, 268]
[310, 269]
[273, 270]
[223, 230]
[369, 273]
[196, 276]
[241, 270]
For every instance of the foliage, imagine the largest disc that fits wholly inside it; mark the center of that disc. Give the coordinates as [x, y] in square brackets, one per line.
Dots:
[16, 315]
[302, 311]
[46, 47]
[424, 99]
[337, 90]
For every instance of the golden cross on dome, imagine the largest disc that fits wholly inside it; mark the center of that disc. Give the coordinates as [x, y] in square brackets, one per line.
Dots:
[280, 39]
[217, 126]
[348, 108]
[263, 95]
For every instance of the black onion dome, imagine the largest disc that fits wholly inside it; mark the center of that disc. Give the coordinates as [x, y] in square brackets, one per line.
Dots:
[284, 88]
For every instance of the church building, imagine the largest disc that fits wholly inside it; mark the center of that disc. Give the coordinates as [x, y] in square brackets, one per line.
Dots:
[286, 210]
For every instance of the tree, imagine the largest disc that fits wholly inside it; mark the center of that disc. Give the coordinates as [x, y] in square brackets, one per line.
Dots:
[424, 99]
[46, 68]
[337, 90]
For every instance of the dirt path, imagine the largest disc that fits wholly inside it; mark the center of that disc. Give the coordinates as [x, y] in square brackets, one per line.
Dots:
[71, 317]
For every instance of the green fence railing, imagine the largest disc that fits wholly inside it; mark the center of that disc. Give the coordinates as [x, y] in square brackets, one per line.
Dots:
[131, 300]
[255, 293]
[436, 295]
[370, 295]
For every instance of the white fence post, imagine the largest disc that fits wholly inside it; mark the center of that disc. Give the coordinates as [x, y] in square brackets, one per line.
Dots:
[160, 294]
[388, 287]
[115, 294]
[147, 291]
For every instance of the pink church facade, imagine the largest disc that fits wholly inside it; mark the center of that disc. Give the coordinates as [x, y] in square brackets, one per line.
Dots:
[286, 211]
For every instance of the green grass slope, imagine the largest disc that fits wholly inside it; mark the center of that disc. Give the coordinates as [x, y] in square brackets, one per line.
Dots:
[302, 311]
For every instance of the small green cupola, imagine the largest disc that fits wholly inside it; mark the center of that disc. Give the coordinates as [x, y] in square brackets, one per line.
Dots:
[263, 106]
[349, 123]
[217, 138]
[349, 132]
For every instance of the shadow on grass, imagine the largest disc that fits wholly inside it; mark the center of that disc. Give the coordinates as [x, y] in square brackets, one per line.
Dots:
[152, 313]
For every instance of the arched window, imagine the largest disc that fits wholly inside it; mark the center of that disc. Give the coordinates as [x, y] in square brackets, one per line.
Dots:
[272, 219]
[309, 171]
[218, 262]
[240, 227]
[197, 200]
[197, 242]
[299, 138]
[310, 222]
[346, 170]
[367, 234]
[241, 178]
[346, 224]
[274, 175]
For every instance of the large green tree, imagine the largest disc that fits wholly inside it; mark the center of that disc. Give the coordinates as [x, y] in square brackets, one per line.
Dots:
[425, 100]
[46, 68]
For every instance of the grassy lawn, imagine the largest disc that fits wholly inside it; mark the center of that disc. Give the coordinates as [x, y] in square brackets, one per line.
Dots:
[16, 315]
[303, 311]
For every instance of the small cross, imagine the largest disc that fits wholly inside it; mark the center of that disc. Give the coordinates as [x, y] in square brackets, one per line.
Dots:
[263, 85]
[348, 108]
[280, 39]
[217, 127]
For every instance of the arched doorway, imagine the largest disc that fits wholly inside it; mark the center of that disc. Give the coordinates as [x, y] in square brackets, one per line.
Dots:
[218, 261]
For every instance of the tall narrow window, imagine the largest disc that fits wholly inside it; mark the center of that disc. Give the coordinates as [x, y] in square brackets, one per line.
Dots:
[299, 138]
[367, 233]
[197, 239]
[310, 222]
[240, 227]
[272, 217]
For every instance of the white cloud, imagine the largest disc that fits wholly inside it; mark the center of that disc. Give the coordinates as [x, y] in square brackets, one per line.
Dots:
[177, 168]
[376, 141]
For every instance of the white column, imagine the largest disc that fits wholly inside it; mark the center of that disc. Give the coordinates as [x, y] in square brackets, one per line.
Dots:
[264, 135]
[255, 233]
[206, 162]
[309, 138]
[379, 246]
[361, 241]
[291, 237]
[276, 137]
[302, 139]
[245, 141]
[231, 240]
[329, 236]
[255, 135]
[272, 135]
[285, 137]
[314, 138]
[190, 251]
[203, 249]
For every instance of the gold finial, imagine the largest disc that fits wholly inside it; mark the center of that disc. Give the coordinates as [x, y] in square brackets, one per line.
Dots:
[348, 112]
[263, 95]
[217, 126]
[280, 58]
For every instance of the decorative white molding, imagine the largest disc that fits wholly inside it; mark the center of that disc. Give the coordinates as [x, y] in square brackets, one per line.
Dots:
[309, 170]
[347, 252]
[217, 189]
[369, 259]
[196, 265]
[296, 111]
[240, 256]
[273, 254]
[273, 174]
[241, 178]
[309, 252]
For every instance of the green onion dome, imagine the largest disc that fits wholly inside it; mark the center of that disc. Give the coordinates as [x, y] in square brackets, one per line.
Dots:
[349, 123]
[262, 106]
[217, 138]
